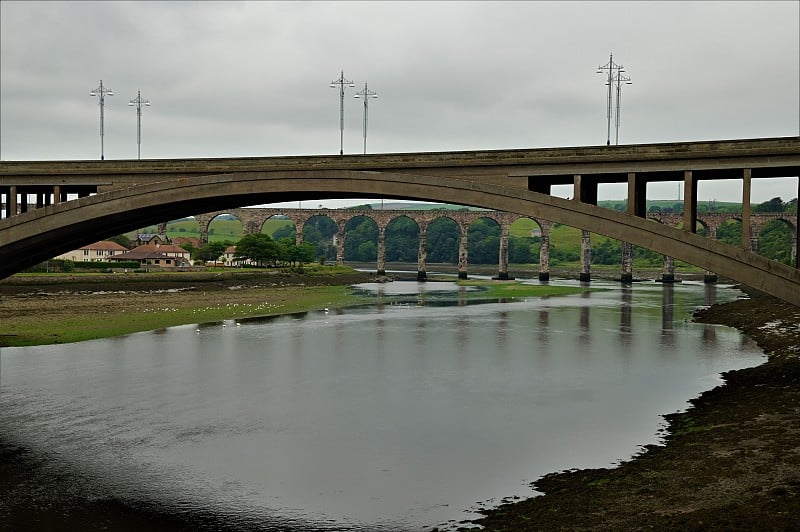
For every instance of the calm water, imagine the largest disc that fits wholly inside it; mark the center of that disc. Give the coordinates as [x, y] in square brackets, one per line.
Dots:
[400, 416]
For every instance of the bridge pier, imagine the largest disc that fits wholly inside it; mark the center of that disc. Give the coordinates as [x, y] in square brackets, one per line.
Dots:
[586, 256]
[422, 255]
[544, 252]
[462, 254]
[627, 263]
[381, 270]
[668, 270]
[502, 269]
[340, 242]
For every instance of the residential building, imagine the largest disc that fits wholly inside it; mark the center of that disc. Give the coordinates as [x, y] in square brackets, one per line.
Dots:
[99, 251]
[161, 255]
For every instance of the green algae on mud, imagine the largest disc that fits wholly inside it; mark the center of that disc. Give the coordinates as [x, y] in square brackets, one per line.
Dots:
[128, 314]
[52, 309]
[512, 289]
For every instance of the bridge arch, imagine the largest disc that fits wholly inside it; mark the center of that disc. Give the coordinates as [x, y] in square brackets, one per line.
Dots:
[32, 237]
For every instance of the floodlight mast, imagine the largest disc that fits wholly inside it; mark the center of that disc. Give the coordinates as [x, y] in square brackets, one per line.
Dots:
[138, 102]
[342, 81]
[611, 66]
[102, 92]
[366, 94]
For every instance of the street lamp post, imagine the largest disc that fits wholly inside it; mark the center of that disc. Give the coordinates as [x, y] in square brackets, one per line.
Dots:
[138, 102]
[366, 94]
[342, 81]
[611, 66]
[102, 92]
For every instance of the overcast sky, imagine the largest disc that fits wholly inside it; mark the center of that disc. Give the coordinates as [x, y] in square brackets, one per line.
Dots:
[252, 78]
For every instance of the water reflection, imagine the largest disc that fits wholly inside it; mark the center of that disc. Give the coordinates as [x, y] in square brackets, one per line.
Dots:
[667, 315]
[543, 331]
[366, 418]
[585, 335]
[625, 317]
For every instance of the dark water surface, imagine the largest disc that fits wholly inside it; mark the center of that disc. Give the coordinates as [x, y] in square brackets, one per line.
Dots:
[405, 415]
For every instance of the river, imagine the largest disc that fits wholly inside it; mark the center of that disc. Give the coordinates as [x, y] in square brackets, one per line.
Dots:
[408, 414]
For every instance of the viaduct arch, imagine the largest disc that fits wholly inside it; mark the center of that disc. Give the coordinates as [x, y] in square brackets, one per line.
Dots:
[33, 236]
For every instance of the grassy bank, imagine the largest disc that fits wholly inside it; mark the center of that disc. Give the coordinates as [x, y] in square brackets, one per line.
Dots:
[55, 309]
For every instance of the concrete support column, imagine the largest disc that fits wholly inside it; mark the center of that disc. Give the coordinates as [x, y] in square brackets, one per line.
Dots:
[585, 189]
[502, 268]
[668, 271]
[298, 236]
[637, 195]
[462, 254]
[689, 202]
[544, 252]
[56, 194]
[746, 182]
[11, 203]
[627, 263]
[40, 199]
[23, 205]
[204, 235]
[381, 250]
[586, 256]
[422, 255]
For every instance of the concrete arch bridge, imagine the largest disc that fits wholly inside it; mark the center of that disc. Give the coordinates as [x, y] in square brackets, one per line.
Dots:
[122, 196]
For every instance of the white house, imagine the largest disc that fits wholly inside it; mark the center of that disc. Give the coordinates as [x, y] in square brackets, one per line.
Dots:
[99, 251]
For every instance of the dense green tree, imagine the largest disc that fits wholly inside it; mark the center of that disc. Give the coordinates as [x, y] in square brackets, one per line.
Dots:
[211, 251]
[402, 240]
[775, 241]
[122, 240]
[730, 232]
[773, 205]
[360, 232]
[522, 250]
[608, 251]
[484, 241]
[287, 231]
[258, 247]
[442, 241]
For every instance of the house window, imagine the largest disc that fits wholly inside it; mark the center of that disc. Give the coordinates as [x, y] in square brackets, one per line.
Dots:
[86, 252]
[169, 261]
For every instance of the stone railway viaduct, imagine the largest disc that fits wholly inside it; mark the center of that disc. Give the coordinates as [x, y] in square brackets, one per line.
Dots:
[253, 219]
[119, 196]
